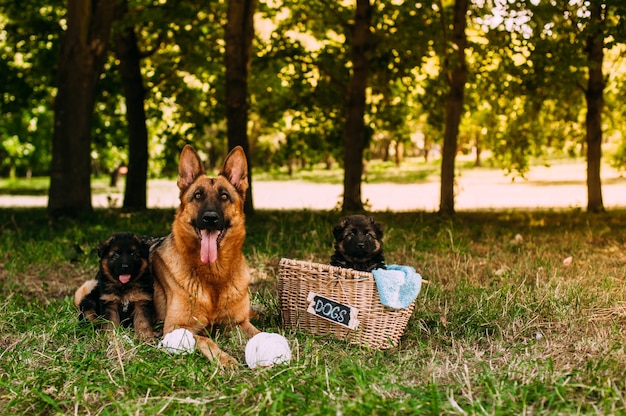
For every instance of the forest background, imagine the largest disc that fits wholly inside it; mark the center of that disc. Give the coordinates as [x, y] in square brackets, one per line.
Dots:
[89, 86]
[524, 311]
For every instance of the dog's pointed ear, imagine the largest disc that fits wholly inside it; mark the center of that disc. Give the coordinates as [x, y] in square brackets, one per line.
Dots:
[189, 167]
[378, 228]
[101, 250]
[144, 250]
[338, 229]
[142, 246]
[104, 247]
[235, 169]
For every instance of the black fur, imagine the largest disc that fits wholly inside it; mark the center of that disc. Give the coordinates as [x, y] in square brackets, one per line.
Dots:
[358, 244]
[124, 290]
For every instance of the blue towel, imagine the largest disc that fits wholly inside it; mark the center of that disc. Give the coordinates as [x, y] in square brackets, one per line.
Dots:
[398, 286]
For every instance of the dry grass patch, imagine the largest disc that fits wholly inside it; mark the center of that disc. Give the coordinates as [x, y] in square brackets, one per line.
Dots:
[524, 314]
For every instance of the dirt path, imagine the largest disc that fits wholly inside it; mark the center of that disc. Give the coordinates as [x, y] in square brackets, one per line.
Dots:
[560, 186]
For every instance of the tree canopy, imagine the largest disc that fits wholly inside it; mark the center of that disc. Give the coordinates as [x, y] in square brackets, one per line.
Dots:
[525, 94]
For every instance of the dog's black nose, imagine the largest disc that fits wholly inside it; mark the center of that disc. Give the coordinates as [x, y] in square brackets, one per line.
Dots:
[210, 218]
[125, 267]
[360, 245]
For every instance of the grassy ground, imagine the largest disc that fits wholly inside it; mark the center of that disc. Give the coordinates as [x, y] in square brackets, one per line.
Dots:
[41, 184]
[524, 314]
[376, 171]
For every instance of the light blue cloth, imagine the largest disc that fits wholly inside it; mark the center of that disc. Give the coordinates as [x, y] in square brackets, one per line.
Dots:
[398, 286]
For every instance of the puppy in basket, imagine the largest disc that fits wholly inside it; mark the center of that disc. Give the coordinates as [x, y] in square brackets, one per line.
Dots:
[358, 244]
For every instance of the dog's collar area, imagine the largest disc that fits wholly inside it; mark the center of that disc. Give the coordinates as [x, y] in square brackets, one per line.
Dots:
[362, 259]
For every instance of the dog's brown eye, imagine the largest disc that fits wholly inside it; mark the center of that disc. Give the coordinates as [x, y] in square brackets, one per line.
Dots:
[224, 196]
[197, 195]
[115, 255]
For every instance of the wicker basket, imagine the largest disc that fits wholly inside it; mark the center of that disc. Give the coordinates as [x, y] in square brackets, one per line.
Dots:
[301, 284]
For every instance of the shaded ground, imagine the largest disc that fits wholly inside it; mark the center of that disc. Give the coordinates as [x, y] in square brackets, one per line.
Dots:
[560, 186]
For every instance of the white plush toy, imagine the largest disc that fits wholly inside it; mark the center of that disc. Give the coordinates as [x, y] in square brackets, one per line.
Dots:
[266, 349]
[179, 341]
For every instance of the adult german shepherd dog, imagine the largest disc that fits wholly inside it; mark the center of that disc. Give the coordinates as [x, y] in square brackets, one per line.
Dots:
[121, 294]
[201, 276]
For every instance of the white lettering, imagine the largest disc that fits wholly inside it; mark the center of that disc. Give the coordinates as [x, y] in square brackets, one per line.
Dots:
[336, 313]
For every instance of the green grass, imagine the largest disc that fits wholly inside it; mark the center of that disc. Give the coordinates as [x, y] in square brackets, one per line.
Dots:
[504, 327]
[24, 186]
[41, 184]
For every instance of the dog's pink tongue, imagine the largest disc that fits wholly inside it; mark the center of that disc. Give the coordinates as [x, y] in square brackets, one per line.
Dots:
[124, 278]
[208, 246]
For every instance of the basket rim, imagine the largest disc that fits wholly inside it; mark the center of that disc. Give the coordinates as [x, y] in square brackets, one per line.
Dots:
[380, 327]
[323, 267]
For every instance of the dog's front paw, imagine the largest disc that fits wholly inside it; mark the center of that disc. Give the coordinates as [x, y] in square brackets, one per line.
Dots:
[144, 331]
[227, 361]
[179, 341]
[145, 335]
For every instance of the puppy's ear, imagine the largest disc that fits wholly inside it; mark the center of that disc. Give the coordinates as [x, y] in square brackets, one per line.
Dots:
[144, 250]
[337, 232]
[103, 248]
[378, 228]
[143, 247]
[338, 229]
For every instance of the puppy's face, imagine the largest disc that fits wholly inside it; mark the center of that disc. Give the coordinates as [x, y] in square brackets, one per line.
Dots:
[123, 258]
[358, 237]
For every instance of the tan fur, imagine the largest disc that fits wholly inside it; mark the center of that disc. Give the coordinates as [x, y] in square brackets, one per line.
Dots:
[195, 295]
[83, 291]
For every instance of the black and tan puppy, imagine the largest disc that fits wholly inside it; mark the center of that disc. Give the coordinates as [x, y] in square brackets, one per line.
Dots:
[122, 292]
[358, 244]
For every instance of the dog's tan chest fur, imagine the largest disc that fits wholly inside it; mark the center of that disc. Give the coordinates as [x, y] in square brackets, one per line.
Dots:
[202, 295]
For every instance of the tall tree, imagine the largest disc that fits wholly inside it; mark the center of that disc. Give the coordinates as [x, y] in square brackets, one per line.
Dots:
[127, 51]
[238, 34]
[455, 68]
[594, 95]
[354, 131]
[81, 59]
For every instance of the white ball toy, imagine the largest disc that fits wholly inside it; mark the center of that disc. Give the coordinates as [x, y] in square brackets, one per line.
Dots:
[266, 349]
[179, 341]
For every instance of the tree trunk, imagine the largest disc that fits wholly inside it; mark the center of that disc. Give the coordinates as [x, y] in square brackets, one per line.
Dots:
[478, 161]
[354, 132]
[454, 106]
[399, 152]
[595, 101]
[238, 34]
[127, 51]
[81, 59]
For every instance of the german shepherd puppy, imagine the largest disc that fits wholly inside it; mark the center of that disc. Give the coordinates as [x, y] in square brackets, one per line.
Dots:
[122, 292]
[201, 276]
[358, 244]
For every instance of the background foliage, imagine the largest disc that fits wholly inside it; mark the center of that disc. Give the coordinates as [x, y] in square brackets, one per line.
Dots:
[524, 97]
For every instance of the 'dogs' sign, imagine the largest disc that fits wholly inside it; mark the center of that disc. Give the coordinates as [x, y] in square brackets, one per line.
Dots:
[336, 312]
